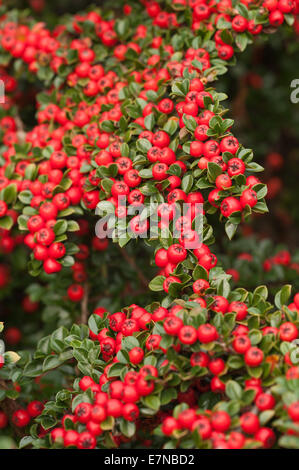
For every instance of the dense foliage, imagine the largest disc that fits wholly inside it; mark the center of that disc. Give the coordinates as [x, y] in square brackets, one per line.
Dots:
[130, 111]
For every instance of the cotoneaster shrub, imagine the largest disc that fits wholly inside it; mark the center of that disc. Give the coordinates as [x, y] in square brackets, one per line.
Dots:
[127, 107]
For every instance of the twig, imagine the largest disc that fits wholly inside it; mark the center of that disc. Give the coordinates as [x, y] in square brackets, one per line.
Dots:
[9, 406]
[133, 265]
[84, 304]
[21, 133]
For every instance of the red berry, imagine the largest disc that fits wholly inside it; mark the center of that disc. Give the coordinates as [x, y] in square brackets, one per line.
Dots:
[207, 333]
[254, 356]
[20, 418]
[249, 422]
[220, 421]
[136, 355]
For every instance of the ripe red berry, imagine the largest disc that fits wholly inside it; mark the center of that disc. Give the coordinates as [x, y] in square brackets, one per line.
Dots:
[75, 292]
[200, 359]
[83, 412]
[249, 422]
[216, 366]
[220, 421]
[235, 166]
[161, 258]
[45, 236]
[288, 331]
[223, 181]
[293, 411]
[188, 335]
[176, 253]
[254, 356]
[207, 333]
[86, 441]
[172, 325]
[160, 171]
[169, 425]
[196, 149]
[239, 24]
[186, 418]
[241, 344]
[130, 412]
[57, 434]
[248, 197]
[35, 408]
[3, 420]
[70, 438]
[240, 308]
[265, 401]
[166, 106]
[229, 205]
[266, 436]
[52, 266]
[3, 208]
[200, 286]
[144, 387]
[56, 250]
[86, 382]
[136, 355]
[170, 280]
[20, 418]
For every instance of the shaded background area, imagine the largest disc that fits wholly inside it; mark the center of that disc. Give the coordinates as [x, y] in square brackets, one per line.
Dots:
[267, 121]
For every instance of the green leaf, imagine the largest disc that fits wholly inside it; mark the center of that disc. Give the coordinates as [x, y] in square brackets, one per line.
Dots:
[242, 41]
[122, 27]
[143, 145]
[168, 395]
[146, 173]
[51, 362]
[170, 127]
[25, 196]
[60, 227]
[6, 222]
[214, 170]
[149, 121]
[9, 194]
[187, 183]
[25, 441]
[189, 122]
[282, 296]
[107, 424]
[156, 284]
[289, 442]
[67, 261]
[179, 89]
[107, 126]
[127, 428]
[72, 226]
[262, 291]
[265, 416]
[116, 369]
[33, 369]
[152, 402]
[230, 229]
[199, 272]
[130, 342]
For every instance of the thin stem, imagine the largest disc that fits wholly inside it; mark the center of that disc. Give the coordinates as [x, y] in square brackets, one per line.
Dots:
[133, 264]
